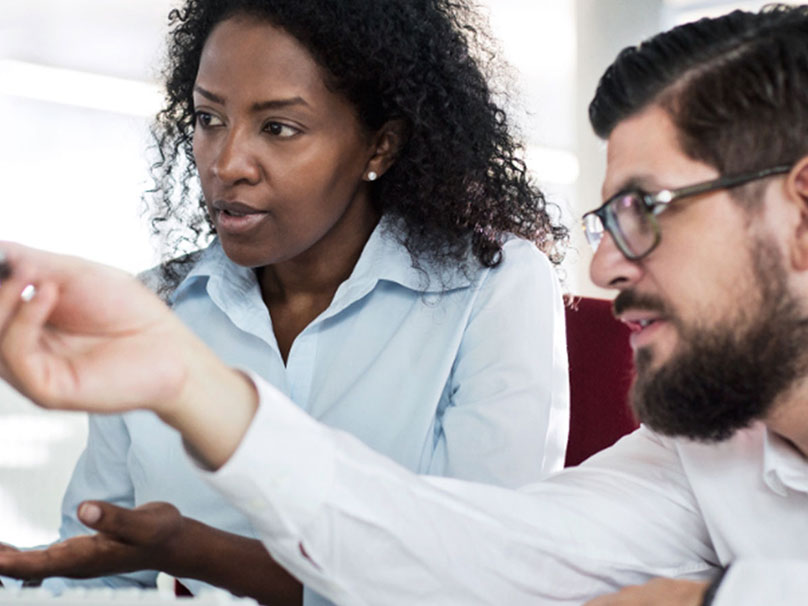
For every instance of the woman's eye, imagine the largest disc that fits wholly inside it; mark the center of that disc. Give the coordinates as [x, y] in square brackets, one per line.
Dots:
[206, 120]
[278, 129]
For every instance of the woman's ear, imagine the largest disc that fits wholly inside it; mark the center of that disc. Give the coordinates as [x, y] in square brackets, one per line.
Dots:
[797, 191]
[388, 141]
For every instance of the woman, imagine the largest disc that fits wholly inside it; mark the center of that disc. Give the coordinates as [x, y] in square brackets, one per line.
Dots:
[375, 258]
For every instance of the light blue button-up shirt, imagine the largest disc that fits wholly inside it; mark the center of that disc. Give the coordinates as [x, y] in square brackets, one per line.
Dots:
[446, 373]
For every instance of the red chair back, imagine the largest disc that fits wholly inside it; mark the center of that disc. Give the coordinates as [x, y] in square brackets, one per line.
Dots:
[601, 370]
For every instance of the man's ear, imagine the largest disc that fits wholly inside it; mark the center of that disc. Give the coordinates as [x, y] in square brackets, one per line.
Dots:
[797, 191]
[388, 141]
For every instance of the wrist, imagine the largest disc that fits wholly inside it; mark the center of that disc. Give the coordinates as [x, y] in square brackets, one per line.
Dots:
[185, 554]
[213, 410]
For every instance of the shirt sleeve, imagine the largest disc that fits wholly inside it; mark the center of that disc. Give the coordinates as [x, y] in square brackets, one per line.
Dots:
[101, 474]
[753, 581]
[359, 529]
[508, 419]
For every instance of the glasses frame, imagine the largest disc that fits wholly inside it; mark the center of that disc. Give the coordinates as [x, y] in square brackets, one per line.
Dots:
[655, 203]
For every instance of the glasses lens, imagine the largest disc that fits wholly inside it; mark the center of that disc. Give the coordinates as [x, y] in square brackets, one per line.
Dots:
[635, 224]
[593, 228]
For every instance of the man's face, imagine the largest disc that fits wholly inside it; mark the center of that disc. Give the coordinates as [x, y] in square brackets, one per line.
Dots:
[715, 331]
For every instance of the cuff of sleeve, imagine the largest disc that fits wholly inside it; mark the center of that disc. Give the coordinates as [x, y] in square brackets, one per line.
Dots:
[282, 470]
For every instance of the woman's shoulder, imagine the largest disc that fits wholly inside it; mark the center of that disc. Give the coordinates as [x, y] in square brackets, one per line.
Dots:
[524, 278]
[163, 279]
[520, 255]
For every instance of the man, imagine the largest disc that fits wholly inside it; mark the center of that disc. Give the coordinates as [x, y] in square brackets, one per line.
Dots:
[704, 234]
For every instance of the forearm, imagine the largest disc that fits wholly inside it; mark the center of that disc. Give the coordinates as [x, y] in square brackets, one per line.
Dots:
[241, 565]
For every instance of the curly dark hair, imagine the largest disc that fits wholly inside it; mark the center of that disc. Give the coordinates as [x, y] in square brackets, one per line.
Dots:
[459, 183]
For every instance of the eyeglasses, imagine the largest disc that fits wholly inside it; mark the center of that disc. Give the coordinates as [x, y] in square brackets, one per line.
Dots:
[630, 216]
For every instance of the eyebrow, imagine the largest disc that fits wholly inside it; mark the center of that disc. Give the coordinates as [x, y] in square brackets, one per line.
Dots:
[256, 107]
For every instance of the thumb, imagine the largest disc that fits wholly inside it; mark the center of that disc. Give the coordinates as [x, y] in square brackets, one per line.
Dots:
[146, 525]
[91, 514]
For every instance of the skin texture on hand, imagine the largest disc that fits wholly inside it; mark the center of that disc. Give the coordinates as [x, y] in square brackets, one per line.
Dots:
[93, 338]
[73, 339]
[657, 592]
[155, 536]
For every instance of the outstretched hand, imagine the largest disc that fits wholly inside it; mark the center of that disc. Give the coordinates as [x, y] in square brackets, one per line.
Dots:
[155, 536]
[93, 338]
[143, 538]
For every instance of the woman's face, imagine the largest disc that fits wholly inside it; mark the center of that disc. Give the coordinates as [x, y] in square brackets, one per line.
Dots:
[282, 159]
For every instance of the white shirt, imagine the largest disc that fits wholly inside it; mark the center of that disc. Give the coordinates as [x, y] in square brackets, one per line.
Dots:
[373, 533]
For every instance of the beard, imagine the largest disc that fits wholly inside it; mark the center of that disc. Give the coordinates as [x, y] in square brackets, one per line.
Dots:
[730, 374]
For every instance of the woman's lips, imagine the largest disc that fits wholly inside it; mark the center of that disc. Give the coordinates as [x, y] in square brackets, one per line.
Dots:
[236, 217]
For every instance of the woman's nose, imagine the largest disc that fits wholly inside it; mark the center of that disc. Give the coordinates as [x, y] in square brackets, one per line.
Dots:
[235, 161]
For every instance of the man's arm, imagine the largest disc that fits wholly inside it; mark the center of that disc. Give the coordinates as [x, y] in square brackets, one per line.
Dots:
[585, 532]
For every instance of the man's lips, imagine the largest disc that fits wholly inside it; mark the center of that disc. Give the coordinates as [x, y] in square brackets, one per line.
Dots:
[643, 326]
[639, 321]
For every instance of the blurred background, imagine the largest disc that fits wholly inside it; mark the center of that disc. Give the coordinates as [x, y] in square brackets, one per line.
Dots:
[79, 83]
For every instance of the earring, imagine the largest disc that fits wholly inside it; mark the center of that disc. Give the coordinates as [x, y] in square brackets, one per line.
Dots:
[372, 176]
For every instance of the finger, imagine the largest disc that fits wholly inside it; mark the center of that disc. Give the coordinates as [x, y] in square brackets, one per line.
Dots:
[5, 266]
[80, 557]
[11, 290]
[48, 265]
[148, 525]
[21, 347]
[58, 560]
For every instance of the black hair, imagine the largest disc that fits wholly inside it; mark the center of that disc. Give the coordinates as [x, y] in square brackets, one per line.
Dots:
[735, 87]
[459, 184]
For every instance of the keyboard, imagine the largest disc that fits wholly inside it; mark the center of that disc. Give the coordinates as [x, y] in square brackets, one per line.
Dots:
[95, 596]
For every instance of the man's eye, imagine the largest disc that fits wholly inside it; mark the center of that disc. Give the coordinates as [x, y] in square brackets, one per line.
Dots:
[206, 119]
[278, 129]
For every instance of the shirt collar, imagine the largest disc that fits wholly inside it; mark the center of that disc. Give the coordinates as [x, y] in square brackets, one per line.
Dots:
[384, 258]
[214, 266]
[783, 466]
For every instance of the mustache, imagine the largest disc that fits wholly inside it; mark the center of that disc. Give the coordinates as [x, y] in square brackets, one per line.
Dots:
[631, 299]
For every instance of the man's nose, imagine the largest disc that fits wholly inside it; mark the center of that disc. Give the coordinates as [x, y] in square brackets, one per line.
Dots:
[610, 268]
